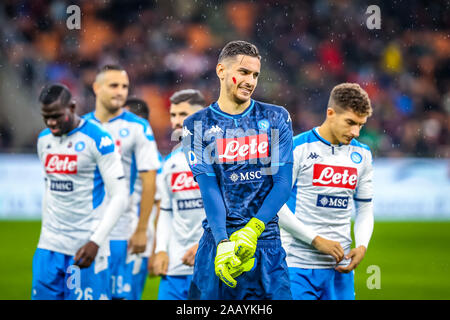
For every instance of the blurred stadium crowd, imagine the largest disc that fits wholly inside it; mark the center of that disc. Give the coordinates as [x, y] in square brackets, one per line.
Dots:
[307, 48]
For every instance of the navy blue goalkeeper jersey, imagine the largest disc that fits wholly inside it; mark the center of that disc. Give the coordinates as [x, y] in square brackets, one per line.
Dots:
[242, 151]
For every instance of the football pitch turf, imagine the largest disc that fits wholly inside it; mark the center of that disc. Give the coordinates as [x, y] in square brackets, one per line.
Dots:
[413, 260]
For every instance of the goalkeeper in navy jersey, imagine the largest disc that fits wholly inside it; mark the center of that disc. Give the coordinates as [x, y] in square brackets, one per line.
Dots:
[240, 153]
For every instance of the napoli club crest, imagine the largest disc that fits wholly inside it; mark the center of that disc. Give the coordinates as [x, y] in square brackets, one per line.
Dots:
[124, 132]
[263, 124]
[356, 157]
[79, 146]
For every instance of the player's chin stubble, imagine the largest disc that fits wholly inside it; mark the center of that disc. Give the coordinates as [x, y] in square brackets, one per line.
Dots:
[112, 107]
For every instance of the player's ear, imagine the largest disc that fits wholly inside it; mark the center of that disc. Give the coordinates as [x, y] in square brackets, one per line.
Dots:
[95, 87]
[220, 71]
[330, 112]
[72, 106]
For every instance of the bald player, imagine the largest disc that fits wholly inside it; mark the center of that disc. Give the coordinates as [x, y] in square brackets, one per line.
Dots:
[134, 140]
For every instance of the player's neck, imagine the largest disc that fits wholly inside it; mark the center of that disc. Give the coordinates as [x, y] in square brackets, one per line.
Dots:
[325, 132]
[231, 107]
[103, 114]
[75, 123]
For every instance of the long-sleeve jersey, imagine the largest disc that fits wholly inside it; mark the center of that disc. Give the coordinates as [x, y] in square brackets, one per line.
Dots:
[243, 152]
[327, 179]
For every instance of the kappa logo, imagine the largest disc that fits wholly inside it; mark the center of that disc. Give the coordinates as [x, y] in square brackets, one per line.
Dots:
[105, 142]
[215, 129]
[289, 118]
[186, 132]
[313, 156]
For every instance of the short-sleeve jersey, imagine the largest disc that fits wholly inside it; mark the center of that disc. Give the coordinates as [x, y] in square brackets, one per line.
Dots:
[74, 190]
[243, 152]
[133, 138]
[327, 180]
[181, 198]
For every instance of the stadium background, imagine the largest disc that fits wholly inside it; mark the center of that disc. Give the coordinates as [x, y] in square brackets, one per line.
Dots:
[307, 48]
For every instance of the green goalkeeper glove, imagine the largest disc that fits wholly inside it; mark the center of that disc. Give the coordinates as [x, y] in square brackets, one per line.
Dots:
[244, 267]
[225, 261]
[247, 238]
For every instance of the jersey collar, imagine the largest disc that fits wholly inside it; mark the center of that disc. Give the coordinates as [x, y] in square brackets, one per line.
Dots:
[316, 133]
[80, 125]
[120, 116]
[215, 107]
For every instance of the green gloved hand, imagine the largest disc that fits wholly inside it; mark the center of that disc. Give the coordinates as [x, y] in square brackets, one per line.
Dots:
[225, 260]
[247, 238]
[244, 267]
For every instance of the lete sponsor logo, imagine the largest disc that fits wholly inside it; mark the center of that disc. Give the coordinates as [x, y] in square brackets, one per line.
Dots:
[61, 163]
[334, 176]
[182, 181]
[243, 148]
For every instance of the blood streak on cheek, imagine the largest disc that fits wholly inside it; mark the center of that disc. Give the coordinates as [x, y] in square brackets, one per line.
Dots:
[234, 80]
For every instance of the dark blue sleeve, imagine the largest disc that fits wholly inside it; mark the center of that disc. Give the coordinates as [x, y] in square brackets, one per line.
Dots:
[214, 206]
[282, 162]
[282, 141]
[278, 195]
